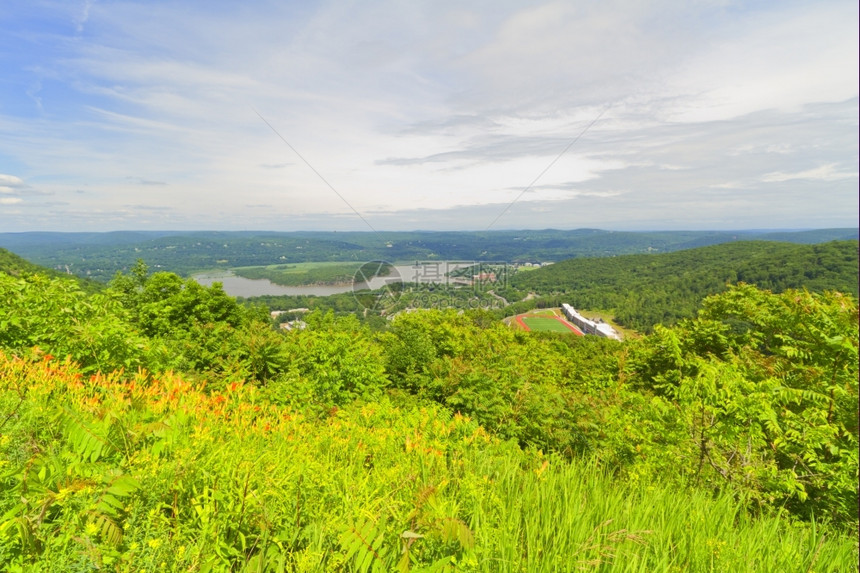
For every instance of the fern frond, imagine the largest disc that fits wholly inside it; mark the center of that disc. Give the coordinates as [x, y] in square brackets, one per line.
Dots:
[89, 440]
[364, 545]
[454, 529]
[109, 528]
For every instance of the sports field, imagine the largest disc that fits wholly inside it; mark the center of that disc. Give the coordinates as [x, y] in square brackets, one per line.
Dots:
[541, 324]
[548, 320]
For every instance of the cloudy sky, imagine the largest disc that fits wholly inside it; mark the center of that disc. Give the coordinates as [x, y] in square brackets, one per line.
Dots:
[396, 115]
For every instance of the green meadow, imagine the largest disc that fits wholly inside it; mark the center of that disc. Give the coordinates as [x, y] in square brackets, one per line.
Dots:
[543, 324]
[299, 274]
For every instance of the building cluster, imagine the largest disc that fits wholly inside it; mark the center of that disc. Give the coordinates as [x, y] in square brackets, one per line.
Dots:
[484, 277]
[588, 326]
[291, 324]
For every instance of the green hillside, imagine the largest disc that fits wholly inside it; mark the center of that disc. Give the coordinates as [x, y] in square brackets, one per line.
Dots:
[645, 290]
[159, 425]
[12, 264]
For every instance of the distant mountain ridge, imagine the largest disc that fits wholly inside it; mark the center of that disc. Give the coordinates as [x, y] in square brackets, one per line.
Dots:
[101, 255]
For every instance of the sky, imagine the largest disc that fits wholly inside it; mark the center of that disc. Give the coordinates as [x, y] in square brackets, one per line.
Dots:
[435, 115]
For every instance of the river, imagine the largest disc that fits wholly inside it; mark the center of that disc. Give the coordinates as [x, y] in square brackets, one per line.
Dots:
[240, 286]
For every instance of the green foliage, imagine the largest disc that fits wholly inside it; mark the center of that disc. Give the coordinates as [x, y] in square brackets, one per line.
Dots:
[224, 481]
[332, 362]
[164, 303]
[646, 290]
[55, 315]
[12, 264]
[510, 383]
[204, 329]
[340, 303]
[446, 442]
[365, 544]
[767, 387]
[67, 490]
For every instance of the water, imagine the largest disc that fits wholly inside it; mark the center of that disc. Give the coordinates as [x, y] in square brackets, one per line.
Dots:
[240, 286]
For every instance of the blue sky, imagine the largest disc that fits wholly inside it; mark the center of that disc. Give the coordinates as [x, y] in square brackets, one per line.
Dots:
[427, 115]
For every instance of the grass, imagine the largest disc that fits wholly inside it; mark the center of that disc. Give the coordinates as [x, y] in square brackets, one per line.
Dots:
[313, 273]
[540, 324]
[606, 316]
[232, 481]
[300, 274]
[575, 517]
[540, 320]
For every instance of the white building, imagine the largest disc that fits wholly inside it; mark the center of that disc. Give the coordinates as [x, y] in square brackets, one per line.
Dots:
[588, 326]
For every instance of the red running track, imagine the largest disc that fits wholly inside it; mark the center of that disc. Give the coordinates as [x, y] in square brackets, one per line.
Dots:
[561, 320]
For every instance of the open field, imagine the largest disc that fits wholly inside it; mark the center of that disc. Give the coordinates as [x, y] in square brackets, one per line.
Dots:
[541, 324]
[544, 320]
[299, 274]
[550, 312]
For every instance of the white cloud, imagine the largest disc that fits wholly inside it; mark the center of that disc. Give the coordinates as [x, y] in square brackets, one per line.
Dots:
[730, 185]
[773, 59]
[828, 172]
[441, 108]
[10, 181]
[81, 18]
[10, 200]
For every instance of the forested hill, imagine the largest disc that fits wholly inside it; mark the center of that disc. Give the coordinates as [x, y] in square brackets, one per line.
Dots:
[12, 264]
[645, 290]
[101, 255]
